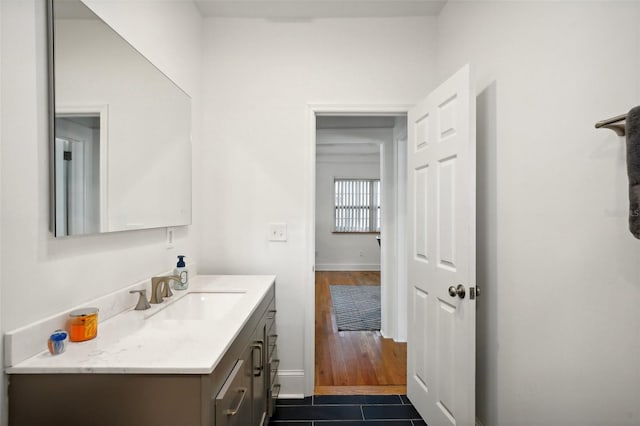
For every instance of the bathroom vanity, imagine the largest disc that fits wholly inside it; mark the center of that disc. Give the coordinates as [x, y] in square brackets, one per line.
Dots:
[208, 357]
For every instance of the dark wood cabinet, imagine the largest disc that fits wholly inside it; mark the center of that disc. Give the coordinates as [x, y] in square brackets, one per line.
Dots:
[239, 391]
[233, 402]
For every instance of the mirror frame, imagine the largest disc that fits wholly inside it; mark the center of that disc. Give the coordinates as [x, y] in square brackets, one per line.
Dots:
[51, 119]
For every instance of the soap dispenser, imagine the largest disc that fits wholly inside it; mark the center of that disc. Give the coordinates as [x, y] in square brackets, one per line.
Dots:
[183, 273]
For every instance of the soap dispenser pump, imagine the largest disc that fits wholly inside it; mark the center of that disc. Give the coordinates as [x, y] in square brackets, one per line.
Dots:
[183, 273]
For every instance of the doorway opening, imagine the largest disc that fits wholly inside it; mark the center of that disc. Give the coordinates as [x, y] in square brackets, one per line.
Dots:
[79, 179]
[77, 173]
[360, 265]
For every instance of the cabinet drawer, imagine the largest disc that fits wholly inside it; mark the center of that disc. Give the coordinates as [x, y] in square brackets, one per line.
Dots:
[272, 360]
[273, 396]
[271, 346]
[271, 318]
[233, 404]
[273, 370]
[271, 312]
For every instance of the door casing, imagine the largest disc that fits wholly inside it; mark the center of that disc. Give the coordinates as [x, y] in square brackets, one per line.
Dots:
[314, 110]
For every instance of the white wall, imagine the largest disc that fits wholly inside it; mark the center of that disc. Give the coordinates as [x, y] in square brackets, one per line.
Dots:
[558, 315]
[259, 76]
[41, 275]
[345, 153]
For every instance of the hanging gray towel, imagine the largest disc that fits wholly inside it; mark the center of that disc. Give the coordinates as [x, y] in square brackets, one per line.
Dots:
[633, 169]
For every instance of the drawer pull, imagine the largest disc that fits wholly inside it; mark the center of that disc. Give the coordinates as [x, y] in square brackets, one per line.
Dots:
[275, 391]
[257, 371]
[230, 412]
[271, 313]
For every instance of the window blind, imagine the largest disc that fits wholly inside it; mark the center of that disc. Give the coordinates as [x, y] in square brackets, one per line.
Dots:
[357, 205]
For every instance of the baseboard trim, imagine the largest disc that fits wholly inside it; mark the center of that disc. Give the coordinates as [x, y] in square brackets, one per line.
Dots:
[291, 396]
[388, 336]
[291, 383]
[347, 267]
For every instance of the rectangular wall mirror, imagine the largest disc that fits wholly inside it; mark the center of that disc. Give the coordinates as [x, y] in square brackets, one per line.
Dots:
[120, 142]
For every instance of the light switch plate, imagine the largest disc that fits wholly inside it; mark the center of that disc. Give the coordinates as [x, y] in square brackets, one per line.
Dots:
[277, 232]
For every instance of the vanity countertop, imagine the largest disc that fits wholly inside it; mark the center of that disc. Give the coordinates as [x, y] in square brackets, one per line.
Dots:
[139, 342]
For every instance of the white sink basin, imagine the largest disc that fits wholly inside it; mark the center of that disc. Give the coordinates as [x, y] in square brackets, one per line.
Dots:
[200, 307]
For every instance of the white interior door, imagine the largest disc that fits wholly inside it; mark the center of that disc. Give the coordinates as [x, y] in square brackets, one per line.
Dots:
[441, 235]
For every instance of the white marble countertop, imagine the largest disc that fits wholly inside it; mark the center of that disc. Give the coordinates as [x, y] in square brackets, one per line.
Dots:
[136, 342]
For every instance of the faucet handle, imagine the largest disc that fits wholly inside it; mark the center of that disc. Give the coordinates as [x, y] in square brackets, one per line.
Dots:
[143, 303]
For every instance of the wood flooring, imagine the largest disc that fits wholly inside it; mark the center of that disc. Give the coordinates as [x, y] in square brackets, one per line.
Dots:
[354, 362]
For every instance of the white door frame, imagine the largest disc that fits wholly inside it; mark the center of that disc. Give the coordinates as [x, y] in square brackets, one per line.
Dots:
[313, 110]
[103, 112]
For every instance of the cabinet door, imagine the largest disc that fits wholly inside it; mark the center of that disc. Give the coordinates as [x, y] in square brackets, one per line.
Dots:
[233, 402]
[258, 358]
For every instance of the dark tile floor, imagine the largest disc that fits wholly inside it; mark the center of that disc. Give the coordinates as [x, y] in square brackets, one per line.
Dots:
[347, 410]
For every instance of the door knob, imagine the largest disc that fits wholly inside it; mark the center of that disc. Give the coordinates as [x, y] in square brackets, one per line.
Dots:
[457, 291]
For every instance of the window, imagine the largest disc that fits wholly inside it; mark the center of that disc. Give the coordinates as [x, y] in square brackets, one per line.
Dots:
[357, 205]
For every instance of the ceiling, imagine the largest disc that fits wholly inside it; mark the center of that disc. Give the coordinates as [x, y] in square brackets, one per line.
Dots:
[310, 9]
[361, 146]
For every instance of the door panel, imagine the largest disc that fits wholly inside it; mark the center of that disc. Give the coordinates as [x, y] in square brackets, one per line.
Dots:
[422, 132]
[441, 236]
[446, 213]
[421, 343]
[421, 226]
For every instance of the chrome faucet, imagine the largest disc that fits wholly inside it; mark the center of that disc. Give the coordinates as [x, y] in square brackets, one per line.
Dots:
[158, 290]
